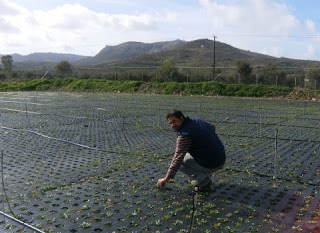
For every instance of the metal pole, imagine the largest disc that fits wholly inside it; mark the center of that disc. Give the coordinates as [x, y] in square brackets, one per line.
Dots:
[214, 58]
[20, 222]
[275, 152]
[260, 121]
[44, 74]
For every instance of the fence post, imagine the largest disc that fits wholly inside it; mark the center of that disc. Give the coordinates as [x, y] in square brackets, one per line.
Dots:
[260, 121]
[275, 152]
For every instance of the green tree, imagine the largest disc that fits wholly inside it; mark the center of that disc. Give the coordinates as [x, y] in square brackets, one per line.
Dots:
[313, 75]
[7, 62]
[63, 68]
[168, 70]
[245, 72]
[271, 73]
[2, 76]
[283, 80]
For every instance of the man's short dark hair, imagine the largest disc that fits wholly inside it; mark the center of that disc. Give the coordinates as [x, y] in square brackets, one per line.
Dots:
[175, 113]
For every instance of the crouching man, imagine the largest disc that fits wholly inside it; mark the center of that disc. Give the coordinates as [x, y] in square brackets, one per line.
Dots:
[199, 151]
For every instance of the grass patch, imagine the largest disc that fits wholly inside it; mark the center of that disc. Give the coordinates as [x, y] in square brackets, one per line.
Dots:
[197, 88]
[47, 188]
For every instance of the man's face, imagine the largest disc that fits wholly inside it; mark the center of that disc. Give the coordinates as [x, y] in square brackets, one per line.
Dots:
[175, 123]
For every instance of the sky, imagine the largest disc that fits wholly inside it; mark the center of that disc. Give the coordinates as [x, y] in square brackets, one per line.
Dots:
[280, 28]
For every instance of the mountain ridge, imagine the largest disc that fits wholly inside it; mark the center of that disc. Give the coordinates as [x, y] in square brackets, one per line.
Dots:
[128, 50]
[199, 53]
[47, 57]
[196, 53]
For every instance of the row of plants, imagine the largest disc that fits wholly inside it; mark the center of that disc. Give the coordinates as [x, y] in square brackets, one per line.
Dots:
[198, 88]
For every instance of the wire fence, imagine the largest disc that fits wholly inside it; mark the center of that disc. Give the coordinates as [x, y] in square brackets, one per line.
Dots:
[289, 76]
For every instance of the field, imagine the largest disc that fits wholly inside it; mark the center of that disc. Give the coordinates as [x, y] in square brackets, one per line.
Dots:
[79, 162]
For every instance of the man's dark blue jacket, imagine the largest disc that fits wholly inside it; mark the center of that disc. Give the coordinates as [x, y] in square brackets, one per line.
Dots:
[206, 147]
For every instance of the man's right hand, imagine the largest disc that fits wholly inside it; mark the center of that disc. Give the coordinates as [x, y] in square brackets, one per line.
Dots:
[161, 182]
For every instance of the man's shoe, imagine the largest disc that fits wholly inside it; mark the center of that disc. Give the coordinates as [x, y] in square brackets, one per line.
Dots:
[204, 186]
[194, 183]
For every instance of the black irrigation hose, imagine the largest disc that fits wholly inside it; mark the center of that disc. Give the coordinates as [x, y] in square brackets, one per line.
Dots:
[46, 136]
[3, 186]
[299, 116]
[270, 124]
[270, 176]
[193, 193]
[267, 137]
[258, 174]
[271, 138]
[144, 115]
[264, 137]
[235, 170]
[45, 114]
[193, 210]
[65, 141]
[13, 217]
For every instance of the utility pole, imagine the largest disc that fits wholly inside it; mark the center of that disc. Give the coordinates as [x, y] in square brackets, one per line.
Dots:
[214, 58]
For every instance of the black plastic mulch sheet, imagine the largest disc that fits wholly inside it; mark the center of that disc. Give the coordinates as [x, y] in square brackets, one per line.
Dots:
[78, 162]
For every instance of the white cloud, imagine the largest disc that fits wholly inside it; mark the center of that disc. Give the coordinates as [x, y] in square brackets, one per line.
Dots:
[276, 51]
[69, 25]
[76, 17]
[310, 26]
[250, 16]
[255, 25]
[8, 8]
[9, 11]
[310, 50]
[262, 26]
[7, 27]
[310, 53]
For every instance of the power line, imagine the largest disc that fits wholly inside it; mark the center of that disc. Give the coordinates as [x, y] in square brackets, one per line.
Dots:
[273, 36]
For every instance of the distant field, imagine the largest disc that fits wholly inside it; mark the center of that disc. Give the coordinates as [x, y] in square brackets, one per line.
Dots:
[79, 162]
